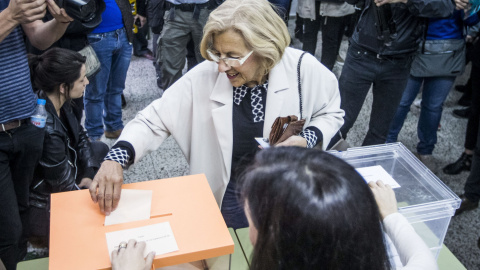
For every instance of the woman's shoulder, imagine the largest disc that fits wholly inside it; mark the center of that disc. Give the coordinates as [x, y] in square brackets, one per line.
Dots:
[200, 78]
[292, 56]
[310, 65]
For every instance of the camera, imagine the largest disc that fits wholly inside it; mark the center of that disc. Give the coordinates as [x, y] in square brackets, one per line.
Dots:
[88, 12]
[386, 27]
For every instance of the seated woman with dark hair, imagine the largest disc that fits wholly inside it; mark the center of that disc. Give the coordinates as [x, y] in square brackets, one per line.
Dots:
[69, 160]
[308, 209]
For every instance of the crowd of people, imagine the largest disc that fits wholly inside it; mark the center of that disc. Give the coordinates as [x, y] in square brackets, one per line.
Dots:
[242, 75]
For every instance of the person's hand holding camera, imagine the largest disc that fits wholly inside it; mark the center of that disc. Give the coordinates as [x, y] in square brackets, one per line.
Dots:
[58, 13]
[26, 11]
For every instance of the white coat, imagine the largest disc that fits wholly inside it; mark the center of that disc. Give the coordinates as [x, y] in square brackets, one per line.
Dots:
[197, 112]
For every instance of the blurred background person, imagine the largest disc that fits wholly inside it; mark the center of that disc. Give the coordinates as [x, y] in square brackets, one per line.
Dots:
[111, 41]
[380, 54]
[332, 18]
[444, 48]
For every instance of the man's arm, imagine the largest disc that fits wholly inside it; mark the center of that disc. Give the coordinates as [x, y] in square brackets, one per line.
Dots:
[20, 12]
[43, 34]
[425, 8]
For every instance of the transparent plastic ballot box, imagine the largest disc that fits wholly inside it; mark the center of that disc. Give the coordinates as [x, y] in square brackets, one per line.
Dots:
[426, 202]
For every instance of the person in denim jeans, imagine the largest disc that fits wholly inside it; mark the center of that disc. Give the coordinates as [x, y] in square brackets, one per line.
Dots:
[382, 45]
[435, 88]
[111, 41]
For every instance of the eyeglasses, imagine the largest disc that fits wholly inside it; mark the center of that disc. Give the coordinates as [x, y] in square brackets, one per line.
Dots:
[231, 62]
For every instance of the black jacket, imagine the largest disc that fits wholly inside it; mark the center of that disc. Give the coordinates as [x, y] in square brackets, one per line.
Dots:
[409, 21]
[66, 157]
[126, 10]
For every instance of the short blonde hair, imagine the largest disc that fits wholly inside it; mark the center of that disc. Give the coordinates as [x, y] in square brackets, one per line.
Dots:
[257, 22]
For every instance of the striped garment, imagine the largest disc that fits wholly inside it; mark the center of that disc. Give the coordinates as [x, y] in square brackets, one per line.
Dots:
[17, 100]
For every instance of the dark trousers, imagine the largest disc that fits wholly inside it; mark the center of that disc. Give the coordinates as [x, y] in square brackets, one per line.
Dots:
[310, 31]
[333, 29]
[472, 186]
[140, 42]
[389, 77]
[474, 118]
[20, 150]
[232, 210]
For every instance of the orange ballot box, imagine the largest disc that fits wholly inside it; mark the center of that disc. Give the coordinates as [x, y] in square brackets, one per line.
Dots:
[77, 231]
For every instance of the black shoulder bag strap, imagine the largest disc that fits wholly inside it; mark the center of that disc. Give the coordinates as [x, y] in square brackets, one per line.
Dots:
[300, 84]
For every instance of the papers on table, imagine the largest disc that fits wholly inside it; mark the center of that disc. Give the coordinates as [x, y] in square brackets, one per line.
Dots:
[263, 142]
[134, 205]
[375, 173]
[158, 237]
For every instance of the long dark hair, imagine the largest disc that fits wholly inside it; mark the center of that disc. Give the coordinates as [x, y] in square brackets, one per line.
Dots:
[312, 211]
[54, 67]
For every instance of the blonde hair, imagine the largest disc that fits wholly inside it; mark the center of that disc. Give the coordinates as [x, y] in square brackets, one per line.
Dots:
[257, 22]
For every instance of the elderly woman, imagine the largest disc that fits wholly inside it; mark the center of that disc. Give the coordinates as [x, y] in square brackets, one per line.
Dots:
[215, 111]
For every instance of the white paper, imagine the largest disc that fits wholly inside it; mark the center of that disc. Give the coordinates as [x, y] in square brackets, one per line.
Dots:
[158, 237]
[375, 173]
[134, 205]
[262, 142]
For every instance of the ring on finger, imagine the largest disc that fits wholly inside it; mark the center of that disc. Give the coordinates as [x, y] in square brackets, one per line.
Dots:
[122, 245]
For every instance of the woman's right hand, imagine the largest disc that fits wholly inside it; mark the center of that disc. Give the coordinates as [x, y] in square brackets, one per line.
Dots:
[385, 198]
[131, 257]
[107, 186]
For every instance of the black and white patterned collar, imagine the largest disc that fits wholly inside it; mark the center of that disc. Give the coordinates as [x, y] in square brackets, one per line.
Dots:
[240, 92]
[256, 99]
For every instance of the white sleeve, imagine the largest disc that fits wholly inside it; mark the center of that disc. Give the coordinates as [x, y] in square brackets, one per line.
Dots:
[413, 252]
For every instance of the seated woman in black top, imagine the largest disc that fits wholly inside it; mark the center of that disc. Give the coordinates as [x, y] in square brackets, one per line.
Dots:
[69, 160]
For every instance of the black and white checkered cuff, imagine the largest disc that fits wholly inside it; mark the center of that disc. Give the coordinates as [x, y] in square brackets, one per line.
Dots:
[310, 136]
[119, 155]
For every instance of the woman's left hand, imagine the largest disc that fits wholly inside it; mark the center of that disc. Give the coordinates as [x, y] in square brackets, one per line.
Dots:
[294, 141]
[131, 257]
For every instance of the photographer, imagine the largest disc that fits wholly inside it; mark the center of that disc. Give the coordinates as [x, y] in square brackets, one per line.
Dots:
[20, 141]
[382, 47]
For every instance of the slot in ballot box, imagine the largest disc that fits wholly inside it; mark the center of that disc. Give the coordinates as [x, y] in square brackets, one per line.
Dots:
[426, 202]
[77, 231]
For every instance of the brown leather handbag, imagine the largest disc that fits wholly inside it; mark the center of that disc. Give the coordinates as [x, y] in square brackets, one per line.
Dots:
[285, 127]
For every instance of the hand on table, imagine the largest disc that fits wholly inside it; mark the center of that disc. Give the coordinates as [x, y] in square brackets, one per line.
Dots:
[131, 257]
[385, 198]
[107, 186]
